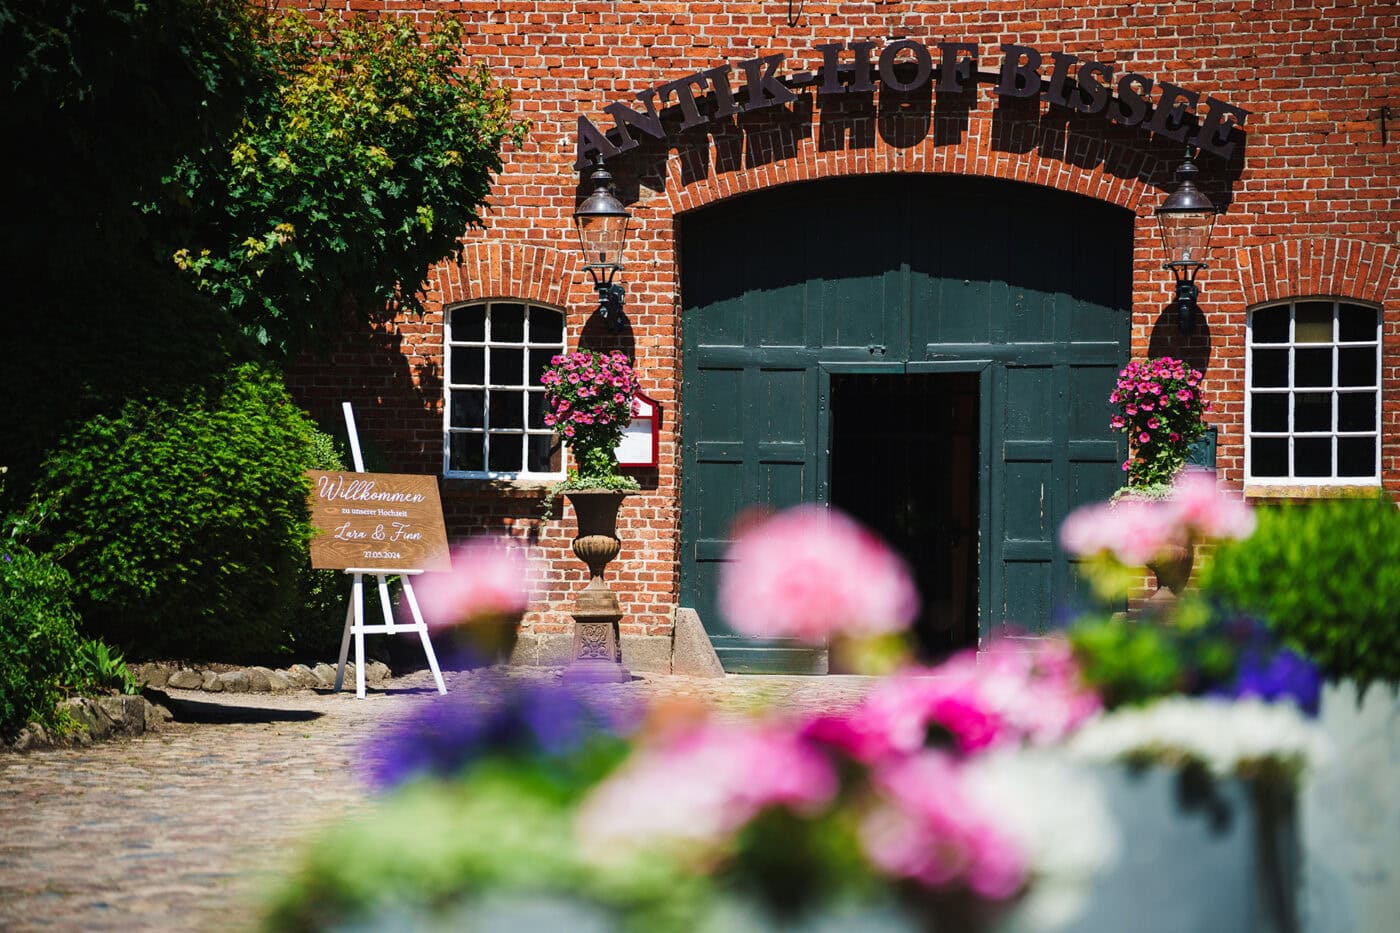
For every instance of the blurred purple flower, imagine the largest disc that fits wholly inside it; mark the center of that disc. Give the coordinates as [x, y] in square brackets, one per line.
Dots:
[446, 735]
[1285, 675]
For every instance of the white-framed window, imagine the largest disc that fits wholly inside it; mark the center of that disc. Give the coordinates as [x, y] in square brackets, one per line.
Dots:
[493, 419]
[1313, 396]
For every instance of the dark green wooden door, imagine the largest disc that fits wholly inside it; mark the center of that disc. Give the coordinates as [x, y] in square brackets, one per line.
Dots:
[900, 273]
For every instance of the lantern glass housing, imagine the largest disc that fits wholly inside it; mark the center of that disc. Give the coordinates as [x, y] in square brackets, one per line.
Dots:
[1185, 219]
[1186, 234]
[602, 223]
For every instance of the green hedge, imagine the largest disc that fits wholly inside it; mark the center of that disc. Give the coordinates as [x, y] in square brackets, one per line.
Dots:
[184, 522]
[38, 637]
[1326, 577]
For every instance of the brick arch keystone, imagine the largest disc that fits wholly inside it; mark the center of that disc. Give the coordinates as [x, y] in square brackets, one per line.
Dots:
[1330, 266]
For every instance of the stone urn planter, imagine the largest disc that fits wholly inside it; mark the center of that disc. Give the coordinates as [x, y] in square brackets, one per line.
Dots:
[597, 654]
[1172, 567]
[1173, 570]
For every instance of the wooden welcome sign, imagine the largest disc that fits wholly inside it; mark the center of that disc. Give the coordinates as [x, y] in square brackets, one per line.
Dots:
[377, 521]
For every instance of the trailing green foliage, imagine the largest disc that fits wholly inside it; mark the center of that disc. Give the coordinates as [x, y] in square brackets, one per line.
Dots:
[1326, 577]
[347, 180]
[617, 482]
[1150, 492]
[38, 637]
[184, 523]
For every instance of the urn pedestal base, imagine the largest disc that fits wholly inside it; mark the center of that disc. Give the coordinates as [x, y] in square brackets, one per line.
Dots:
[597, 644]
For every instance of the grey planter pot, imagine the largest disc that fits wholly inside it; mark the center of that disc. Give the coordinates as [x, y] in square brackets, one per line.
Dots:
[1196, 855]
[1350, 817]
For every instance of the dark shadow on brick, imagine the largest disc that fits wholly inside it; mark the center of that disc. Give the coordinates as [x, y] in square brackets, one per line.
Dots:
[1166, 339]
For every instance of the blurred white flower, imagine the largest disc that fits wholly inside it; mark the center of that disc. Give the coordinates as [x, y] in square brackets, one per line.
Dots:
[1227, 737]
[1055, 811]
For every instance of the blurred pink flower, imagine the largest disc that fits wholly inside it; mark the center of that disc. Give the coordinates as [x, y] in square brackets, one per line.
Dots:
[1135, 531]
[924, 826]
[1132, 531]
[1013, 691]
[1203, 509]
[487, 582]
[704, 784]
[810, 573]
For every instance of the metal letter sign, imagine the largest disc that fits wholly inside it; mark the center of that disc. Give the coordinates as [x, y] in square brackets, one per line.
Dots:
[1078, 84]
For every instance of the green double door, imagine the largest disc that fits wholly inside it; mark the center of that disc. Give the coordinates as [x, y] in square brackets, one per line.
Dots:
[1018, 295]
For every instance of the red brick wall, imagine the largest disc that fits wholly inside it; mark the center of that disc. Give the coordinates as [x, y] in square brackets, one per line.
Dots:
[1312, 208]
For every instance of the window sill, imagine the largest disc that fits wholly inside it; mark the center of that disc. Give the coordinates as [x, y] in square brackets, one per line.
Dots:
[1303, 491]
[498, 488]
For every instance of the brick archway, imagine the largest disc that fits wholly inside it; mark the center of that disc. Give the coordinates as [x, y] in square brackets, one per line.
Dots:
[492, 268]
[974, 157]
[1330, 266]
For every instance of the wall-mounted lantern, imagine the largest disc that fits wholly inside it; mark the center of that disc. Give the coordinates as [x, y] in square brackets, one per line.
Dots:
[1185, 219]
[602, 223]
[640, 446]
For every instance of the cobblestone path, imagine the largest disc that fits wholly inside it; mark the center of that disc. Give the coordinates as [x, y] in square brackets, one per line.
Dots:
[179, 830]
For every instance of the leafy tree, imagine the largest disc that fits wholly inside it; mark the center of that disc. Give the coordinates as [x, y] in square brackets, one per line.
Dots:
[101, 98]
[349, 178]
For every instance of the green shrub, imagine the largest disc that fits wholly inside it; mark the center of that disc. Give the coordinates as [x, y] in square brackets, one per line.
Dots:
[38, 637]
[1326, 577]
[319, 615]
[184, 522]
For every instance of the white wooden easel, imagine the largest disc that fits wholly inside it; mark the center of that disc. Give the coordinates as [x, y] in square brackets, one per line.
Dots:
[355, 612]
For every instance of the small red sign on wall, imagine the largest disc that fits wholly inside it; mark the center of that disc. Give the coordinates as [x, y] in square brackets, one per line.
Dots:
[640, 445]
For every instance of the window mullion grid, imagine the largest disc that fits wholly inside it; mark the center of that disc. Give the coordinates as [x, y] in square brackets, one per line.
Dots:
[447, 399]
[1336, 383]
[523, 397]
[518, 387]
[1292, 386]
[486, 390]
[1376, 423]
